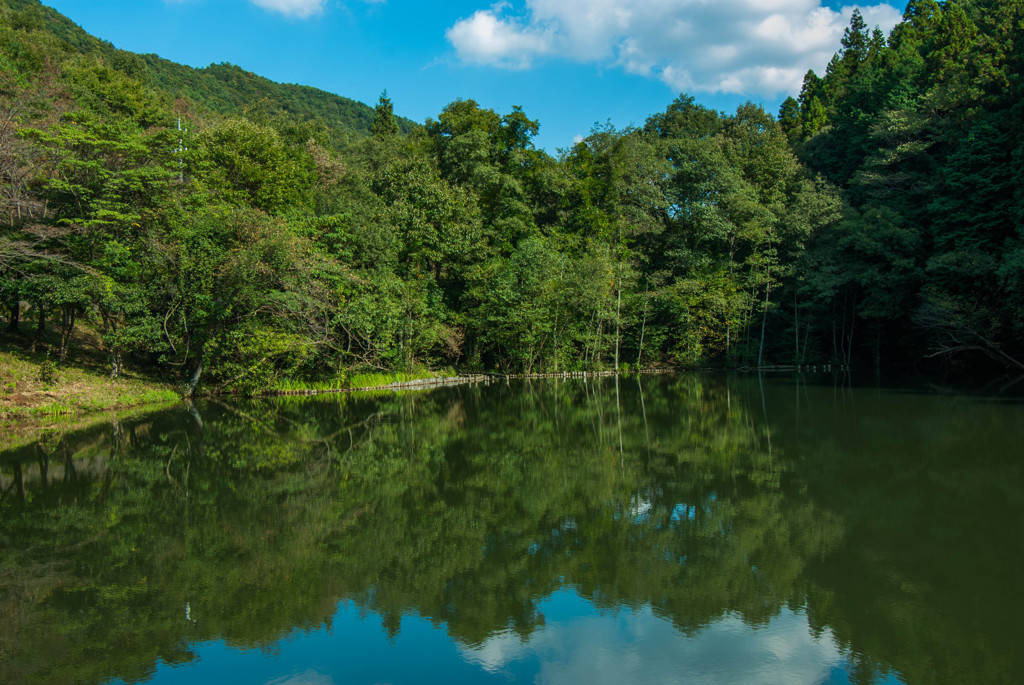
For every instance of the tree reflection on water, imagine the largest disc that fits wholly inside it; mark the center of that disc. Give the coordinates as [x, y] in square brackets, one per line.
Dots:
[692, 500]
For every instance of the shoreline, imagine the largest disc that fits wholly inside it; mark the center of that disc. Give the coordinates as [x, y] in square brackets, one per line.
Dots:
[89, 394]
[461, 379]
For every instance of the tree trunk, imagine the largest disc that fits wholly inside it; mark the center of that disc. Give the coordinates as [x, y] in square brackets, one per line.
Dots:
[842, 336]
[835, 350]
[807, 335]
[853, 321]
[12, 325]
[109, 327]
[618, 318]
[66, 329]
[643, 329]
[764, 321]
[39, 329]
[796, 328]
[197, 373]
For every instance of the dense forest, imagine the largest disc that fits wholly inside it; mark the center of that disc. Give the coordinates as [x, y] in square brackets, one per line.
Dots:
[232, 231]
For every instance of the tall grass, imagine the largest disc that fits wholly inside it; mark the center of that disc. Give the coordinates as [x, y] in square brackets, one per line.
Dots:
[357, 381]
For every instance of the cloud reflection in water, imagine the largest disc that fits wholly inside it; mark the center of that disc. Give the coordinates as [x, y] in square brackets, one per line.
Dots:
[636, 646]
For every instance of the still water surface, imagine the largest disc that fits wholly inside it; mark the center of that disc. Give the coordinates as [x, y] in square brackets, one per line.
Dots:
[669, 529]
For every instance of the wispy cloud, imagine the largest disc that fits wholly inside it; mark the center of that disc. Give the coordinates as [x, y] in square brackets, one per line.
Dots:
[303, 9]
[755, 47]
[308, 677]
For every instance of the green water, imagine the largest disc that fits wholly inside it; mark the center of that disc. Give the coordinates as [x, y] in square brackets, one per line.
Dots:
[661, 530]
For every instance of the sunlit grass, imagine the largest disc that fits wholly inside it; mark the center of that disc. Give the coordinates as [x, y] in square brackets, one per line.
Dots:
[357, 381]
[293, 385]
[33, 388]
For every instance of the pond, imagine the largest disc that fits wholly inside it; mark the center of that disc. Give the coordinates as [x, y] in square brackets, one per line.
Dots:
[652, 529]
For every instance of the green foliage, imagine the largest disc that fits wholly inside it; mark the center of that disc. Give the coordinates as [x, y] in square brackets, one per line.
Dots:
[493, 156]
[384, 124]
[47, 371]
[248, 165]
[789, 120]
[519, 305]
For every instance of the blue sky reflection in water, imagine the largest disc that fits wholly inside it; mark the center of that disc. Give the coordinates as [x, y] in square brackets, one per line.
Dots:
[577, 644]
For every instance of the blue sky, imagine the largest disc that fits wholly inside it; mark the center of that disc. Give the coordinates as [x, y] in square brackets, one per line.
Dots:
[568, 63]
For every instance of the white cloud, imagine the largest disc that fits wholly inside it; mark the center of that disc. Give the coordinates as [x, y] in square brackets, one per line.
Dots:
[755, 47]
[303, 9]
[485, 38]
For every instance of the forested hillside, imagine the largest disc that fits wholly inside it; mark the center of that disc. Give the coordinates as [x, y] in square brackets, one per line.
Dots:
[877, 221]
[222, 89]
[924, 132]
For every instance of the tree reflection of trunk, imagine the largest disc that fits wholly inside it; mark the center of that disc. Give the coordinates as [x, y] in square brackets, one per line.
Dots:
[592, 414]
[44, 470]
[19, 483]
[618, 418]
[195, 415]
[797, 406]
[764, 411]
[643, 410]
[69, 467]
[108, 480]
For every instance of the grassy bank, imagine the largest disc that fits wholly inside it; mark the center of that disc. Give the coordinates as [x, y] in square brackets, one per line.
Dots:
[35, 389]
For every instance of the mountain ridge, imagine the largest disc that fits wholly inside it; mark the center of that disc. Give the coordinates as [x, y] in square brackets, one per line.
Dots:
[221, 89]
